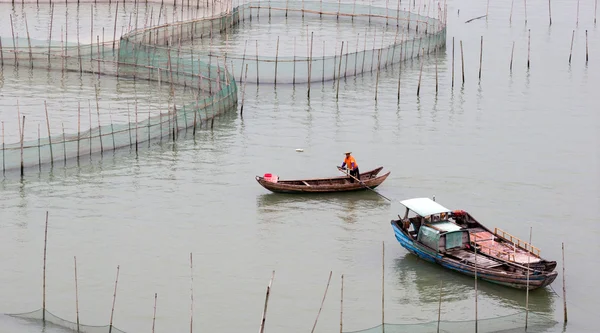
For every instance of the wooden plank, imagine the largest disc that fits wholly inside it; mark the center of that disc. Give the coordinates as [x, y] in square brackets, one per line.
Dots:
[305, 183]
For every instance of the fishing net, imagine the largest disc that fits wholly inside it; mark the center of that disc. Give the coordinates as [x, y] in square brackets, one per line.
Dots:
[45, 317]
[510, 323]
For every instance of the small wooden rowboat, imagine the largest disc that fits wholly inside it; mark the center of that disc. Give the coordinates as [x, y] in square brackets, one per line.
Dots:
[324, 185]
[449, 238]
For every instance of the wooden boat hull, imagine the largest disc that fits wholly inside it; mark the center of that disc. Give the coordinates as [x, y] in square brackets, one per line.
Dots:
[538, 279]
[325, 185]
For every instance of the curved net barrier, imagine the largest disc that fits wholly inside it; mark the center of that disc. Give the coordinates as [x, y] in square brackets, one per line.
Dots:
[510, 323]
[46, 318]
[171, 50]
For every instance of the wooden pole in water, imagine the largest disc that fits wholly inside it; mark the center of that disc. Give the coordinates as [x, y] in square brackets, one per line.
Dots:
[511, 11]
[577, 22]
[14, 41]
[113, 304]
[44, 274]
[243, 60]
[342, 304]
[527, 289]
[595, 10]
[3, 155]
[323, 301]
[136, 126]
[377, 76]
[76, 294]
[525, 3]
[28, 42]
[586, 47]
[480, 58]
[512, 53]
[571, 52]
[528, 47]
[440, 307]
[564, 286]
[337, 93]
[550, 11]
[22, 137]
[462, 58]
[276, 57]
[244, 90]
[115, 26]
[264, 313]
[99, 127]
[154, 314]
[64, 144]
[257, 76]
[191, 293]
[310, 61]
[383, 286]
[436, 71]
[49, 136]
[475, 249]
[452, 62]
[420, 74]
[78, 127]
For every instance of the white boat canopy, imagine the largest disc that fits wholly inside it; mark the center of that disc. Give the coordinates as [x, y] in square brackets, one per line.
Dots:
[424, 206]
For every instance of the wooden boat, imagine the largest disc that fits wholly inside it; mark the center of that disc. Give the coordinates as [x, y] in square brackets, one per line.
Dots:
[324, 185]
[455, 240]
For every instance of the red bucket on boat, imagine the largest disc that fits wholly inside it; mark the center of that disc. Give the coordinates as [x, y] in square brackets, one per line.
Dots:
[270, 177]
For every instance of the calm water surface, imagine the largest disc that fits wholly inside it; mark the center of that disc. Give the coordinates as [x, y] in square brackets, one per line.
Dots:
[518, 151]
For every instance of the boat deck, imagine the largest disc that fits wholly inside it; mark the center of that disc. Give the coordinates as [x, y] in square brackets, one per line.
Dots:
[468, 256]
[485, 240]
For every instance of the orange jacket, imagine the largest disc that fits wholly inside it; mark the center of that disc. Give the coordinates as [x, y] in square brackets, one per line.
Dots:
[350, 162]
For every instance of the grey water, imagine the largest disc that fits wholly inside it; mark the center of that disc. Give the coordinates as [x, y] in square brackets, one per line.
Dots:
[518, 150]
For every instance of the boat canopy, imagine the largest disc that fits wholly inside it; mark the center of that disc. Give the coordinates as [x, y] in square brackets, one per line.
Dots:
[424, 206]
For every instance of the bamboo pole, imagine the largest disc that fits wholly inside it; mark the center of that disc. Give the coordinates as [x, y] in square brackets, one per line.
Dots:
[452, 62]
[257, 76]
[337, 93]
[264, 313]
[136, 127]
[512, 53]
[595, 10]
[420, 74]
[14, 41]
[527, 289]
[154, 313]
[310, 61]
[244, 91]
[64, 145]
[39, 148]
[525, 4]
[78, 127]
[342, 305]
[462, 58]
[323, 301]
[323, 68]
[115, 26]
[28, 41]
[294, 70]
[99, 127]
[355, 53]
[276, 56]
[22, 137]
[436, 71]
[528, 47]
[577, 22]
[512, 3]
[90, 114]
[564, 286]
[76, 295]
[1, 54]
[586, 47]
[571, 52]
[3, 151]
[475, 249]
[550, 11]
[49, 135]
[377, 76]
[113, 304]
[480, 58]
[44, 274]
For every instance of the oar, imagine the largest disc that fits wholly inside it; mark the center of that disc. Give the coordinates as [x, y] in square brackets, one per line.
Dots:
[363, 184]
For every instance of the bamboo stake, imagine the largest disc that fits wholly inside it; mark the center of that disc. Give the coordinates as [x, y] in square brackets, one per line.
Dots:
[257, 76]
[480, 58]
[49, 136]
[244, 91]
[64, 144]
[44, 275]
[276, 56]
[342, 304]
[337, 93]
[564, 286]
[462, 58]
[90, 114]
[14, 41]
[154, 314]
[377, 76]
[511, 11]
[550, 11]
[475, 249]
[323, 69]
[115, 26]
[436, 72]
[452, 62]
[528, 47]
[595, 10]
[571, 52]
[136, 127]
[99, 127]
[3, 157]
[420, 74]
[50, 32]
[525, 2]
[113, 304]
[39, 148]
[586, 47]
[1, 54]
[323, 301]
[28, 41]
[512, 53]
[355, 53]
[310, 62]
[76, 295]
[22, 137]
[78, 127]
[264, 313]
[577, 22]
[294, 72]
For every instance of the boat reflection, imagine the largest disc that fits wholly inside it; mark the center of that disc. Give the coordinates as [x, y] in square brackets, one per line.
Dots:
[424, 278]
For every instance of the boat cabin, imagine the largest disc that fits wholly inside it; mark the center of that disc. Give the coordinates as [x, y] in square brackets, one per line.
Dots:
[430, 225]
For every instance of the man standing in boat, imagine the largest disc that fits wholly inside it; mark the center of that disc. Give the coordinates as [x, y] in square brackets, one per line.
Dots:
[351, 164]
